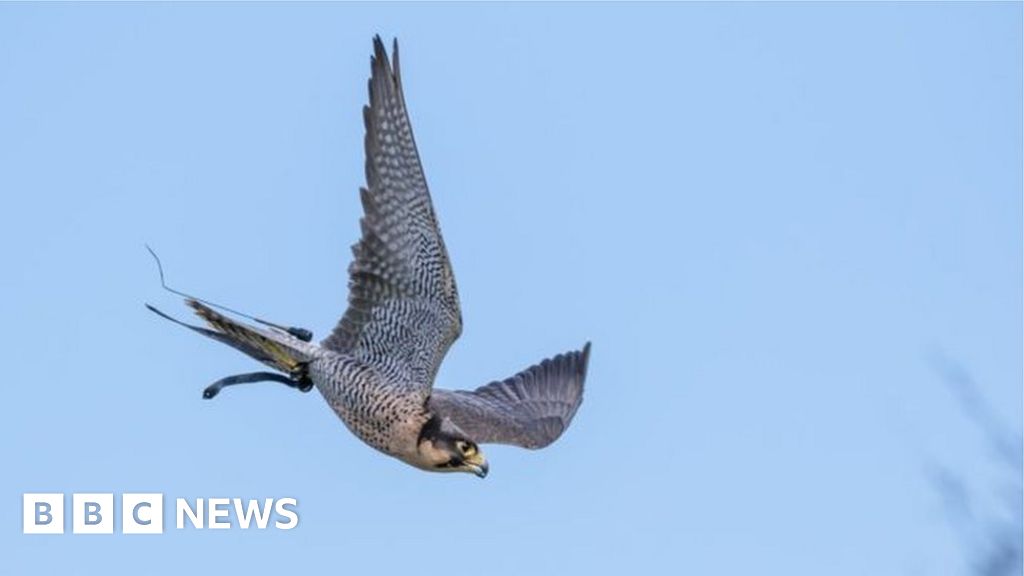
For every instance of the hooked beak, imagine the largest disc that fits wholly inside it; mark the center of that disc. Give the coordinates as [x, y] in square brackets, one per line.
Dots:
[479, 469]
[477, 464]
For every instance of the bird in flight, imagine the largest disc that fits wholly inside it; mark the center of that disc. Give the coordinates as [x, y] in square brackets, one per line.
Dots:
[377, 369]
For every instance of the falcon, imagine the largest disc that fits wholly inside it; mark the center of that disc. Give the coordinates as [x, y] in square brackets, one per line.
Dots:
[377, 369]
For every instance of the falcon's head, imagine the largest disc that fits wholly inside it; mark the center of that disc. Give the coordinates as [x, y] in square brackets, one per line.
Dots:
[443, 447]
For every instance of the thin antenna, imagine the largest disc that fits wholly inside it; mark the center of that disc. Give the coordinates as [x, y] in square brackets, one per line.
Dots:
[300, 333]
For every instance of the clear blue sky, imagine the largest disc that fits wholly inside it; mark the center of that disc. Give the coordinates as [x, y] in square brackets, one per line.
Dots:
[769, 219]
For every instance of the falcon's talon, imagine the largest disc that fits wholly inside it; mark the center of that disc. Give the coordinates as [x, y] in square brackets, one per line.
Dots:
[300, 376]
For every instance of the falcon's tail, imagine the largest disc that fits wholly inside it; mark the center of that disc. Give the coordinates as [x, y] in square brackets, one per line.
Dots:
[275, 348]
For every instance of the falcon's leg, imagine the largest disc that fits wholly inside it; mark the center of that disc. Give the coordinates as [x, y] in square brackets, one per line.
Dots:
[299, 381]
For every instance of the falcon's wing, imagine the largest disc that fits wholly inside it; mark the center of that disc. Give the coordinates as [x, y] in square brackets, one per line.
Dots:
[530, 409]
[403, 311]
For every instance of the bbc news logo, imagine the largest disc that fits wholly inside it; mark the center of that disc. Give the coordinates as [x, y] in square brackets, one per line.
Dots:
[143, 513]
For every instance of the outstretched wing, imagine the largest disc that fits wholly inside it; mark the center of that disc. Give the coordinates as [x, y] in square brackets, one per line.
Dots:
[403, 307]
[530, 409]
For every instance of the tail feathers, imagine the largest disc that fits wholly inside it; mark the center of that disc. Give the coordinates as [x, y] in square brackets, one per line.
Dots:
[276, 349]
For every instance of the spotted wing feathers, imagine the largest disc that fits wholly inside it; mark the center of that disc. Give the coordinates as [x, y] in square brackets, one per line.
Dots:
[403, 309]
[530, 409]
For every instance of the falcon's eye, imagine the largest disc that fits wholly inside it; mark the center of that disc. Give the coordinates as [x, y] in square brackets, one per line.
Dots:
[466, 448]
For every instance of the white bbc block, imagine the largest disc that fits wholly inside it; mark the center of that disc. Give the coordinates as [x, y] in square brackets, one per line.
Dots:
[42, 513]
[142, 513]
[92, 513]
